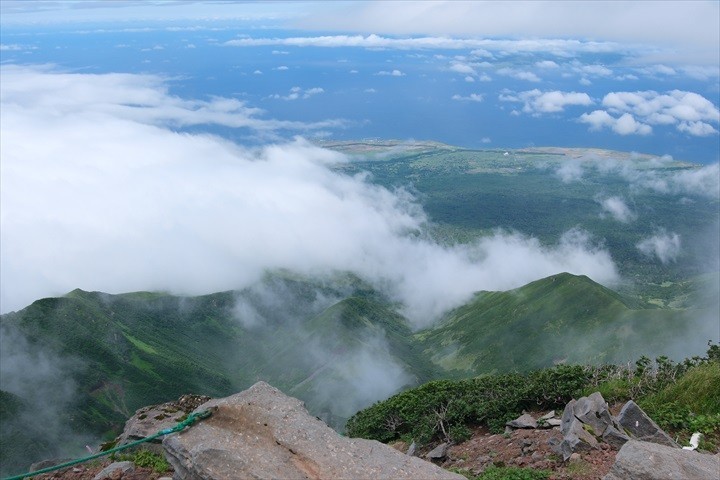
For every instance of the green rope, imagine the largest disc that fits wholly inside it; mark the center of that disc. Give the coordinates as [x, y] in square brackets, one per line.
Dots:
[192, 418]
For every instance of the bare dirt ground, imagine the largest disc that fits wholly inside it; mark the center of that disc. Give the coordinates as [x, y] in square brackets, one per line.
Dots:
[527, 448]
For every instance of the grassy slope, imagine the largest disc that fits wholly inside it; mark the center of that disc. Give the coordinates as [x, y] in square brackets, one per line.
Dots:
[563, 318]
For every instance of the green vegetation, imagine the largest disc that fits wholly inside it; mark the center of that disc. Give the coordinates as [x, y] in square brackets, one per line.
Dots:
[497, 354]
[513, 473]
[147, 459]
[445, 410]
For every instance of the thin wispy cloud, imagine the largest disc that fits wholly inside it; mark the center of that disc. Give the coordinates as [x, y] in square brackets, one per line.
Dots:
[473, 97]
[297, 93]
[663, 245]
[617, 209]
[390, 73]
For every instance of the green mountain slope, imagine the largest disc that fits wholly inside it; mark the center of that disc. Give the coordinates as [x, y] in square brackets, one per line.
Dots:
[336, 344]
[560, 319]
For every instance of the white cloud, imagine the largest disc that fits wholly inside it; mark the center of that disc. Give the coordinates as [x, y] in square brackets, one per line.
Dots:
[663, 245]
[462, 68]
[697, 129]
[700, 180]
[692, 113]
[570, 171]
[370, 90]
[115, 199]
[595, 70]
[281, 68]
[473, 97]
[280, 52]
[624, 125]
[559, 47]
[537, 102]
[257, 72]
[393, 73]
[617, 208]
[297, 93]
[486, 140]
[685, 32]
[469, 79]
[518, 74]
[546, 64]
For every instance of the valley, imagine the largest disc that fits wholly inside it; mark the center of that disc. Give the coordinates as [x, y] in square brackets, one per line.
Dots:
[340, 340]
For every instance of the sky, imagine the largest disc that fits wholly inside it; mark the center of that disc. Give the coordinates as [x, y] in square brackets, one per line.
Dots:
[163, 145]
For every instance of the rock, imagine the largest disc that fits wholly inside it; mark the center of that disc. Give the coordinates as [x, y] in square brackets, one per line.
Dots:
[438, 452]
[109, 471]
[641, 427]
[412, 449]
[523, 421]
[576, 438]
[593, 411]
[568, 416]
[150, 420]
[615, 437]
[548, 416]
[553, 422]
[261, 433]
[638, 460]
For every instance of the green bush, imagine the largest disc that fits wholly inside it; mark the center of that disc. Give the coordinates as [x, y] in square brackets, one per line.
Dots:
[147, 459]
[513, 473]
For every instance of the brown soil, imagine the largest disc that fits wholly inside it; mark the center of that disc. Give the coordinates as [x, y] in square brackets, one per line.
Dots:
[527, 448]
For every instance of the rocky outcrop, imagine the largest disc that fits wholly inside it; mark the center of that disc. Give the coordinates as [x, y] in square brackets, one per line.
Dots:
[150, 420]
[638, 460]
[641, 427]
[261, 433]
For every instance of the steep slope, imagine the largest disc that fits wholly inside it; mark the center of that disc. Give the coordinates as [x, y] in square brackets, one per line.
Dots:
[560, 319]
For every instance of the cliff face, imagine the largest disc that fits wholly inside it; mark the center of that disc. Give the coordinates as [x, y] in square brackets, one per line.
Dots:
[262, 433]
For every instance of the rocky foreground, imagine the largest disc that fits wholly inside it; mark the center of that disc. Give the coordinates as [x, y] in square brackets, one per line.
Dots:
[262, 433]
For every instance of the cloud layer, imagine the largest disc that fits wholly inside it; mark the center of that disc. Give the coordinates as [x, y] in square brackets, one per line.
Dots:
[113, 199]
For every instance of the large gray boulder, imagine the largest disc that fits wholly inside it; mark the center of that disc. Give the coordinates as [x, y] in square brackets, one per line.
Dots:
[641, 427]
[650, 461]
[261, 433]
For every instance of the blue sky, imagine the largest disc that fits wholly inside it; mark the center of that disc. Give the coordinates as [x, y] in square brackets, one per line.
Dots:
[637, 76]
[163, 145]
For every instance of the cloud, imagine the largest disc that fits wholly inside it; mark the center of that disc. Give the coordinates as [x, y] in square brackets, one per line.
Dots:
[643, 174]
[115, 199]
[462, 68]
[134, 99]
[281, 68]
[473, 97]
[393, 73]
[594, 70]
[297, 93]
[570, 171]
[546, 64]
[538, 102]
[686, 33]
[663, 245]
[560, 47]
[518, 74]
[617, 209]
[690, 112]
[370, 90]
[624, 125]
